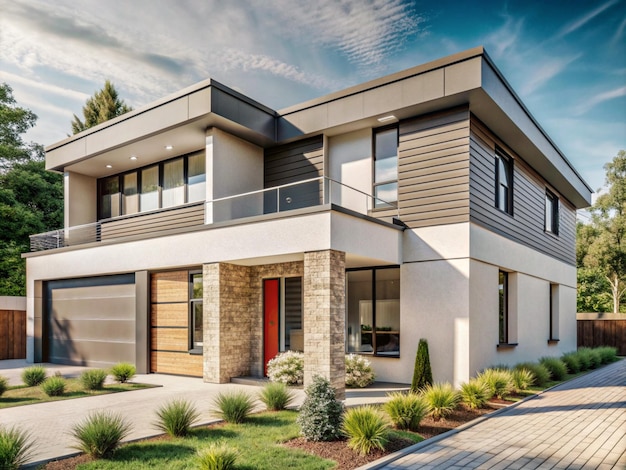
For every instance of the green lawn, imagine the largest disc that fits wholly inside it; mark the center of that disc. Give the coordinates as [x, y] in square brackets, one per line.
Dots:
[23, 395]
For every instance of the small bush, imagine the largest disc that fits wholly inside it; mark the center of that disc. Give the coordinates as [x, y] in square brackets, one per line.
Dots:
[320, 414]
[233, 407]
[4, 384]
[287, 367]
[422, 373]
[572, 362]
[593, 357]
[217, 456]
[15, 446]
[176, 418]
[123, 372]
[100, 434]
[442, 399]
[584, 358]
[93, 379]
[54, 386]
[541, 374]
[406, 410]
[522, 379]
[276, 396]
[557, 368]
[34, 375]
[499, 382]
[366, 429]
[607, 354]
[474, 394]
[359, 372]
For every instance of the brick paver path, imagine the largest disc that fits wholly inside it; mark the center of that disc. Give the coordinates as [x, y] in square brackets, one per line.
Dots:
[578, 425]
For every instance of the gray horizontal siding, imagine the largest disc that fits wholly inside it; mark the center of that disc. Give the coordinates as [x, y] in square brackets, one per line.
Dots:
[526, 226]
[294, 162]
[433, 169]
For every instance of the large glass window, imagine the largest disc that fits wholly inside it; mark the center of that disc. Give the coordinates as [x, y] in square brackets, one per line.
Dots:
[503, 316]
[130, 196]
[373, 311]
[196, 178]
[552, 213]
[386, 166]
[150, 188]
[173, 183]
[195, 308]
[504, 183]
[109, 197]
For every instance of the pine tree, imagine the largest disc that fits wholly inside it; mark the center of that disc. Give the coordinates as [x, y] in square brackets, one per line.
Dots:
[105, 104]
[422, 374]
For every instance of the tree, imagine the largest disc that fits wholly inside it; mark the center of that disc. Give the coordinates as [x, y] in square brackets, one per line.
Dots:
[422, 373]
[603, 243]
[15, 121]
[105, 104]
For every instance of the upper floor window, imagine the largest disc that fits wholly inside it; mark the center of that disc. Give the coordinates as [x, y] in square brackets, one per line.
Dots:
[504, 183]
[552, 213]
[503, 310]
[385, 166]
[166, 184]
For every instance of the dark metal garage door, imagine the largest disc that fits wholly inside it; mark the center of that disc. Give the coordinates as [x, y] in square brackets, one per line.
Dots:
[91, 321]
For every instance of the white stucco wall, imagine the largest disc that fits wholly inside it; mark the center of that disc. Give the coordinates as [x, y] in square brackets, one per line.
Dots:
[80, 199]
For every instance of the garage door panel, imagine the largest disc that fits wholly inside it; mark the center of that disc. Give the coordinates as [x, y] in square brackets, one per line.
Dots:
[89, 330]
[91, 353]
[87, 292]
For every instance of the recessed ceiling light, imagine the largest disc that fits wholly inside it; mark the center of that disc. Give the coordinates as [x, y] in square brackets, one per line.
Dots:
[109, 166]
[391, 117]
[133, 157]
[168, 147]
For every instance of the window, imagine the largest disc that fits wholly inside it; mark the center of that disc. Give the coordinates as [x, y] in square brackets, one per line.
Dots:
[195, 310]
[373, 311]
[196, 178]
[173, 183]
[110, 197]
[150, 188]
[130, 195]
[504, 183]
[385, 167]
[503, 317]
[552, 213]
[554, 313]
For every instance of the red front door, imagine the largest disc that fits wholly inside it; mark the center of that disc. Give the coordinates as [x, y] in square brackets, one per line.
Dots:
[271, 309]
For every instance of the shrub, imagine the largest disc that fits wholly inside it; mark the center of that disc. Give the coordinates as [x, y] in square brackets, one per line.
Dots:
[287, 367]
[474, 394]
[217, 456]
[176, 417]
[93, 379]
[233, 407]
[442, 399]
[276, 396]
[541, 374]
[595, 359]
[123, 372]
[499, 382]
[320, 414]
[522, 379]
[557, 368]
[608, 354]
[572, 361]
[4, 384]
[359, 372]
[34, 375]
[54, 386]
[365, 428]
[406, 410]
[584, 358]
[422, 373]
[15, 445]
[100, 434]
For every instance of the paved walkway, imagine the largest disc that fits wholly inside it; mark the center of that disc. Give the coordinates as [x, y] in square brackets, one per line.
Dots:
[578, 425]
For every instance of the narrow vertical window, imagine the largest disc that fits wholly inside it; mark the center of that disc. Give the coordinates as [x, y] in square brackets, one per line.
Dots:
[110, 197]
[130, 195]
[196, 178]
[554, 313]
[503, 317]
[195, 307]
[173, 183]
[386, 167]
[504, 183]
[149, 188]
[552, 213]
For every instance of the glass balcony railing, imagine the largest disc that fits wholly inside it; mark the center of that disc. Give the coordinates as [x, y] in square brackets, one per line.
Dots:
[303, 194]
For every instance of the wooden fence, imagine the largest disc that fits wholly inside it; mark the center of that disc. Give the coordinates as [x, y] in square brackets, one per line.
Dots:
[602, 329]
[12, 334]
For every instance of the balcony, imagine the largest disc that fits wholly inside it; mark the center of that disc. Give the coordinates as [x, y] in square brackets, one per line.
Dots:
[276, 200]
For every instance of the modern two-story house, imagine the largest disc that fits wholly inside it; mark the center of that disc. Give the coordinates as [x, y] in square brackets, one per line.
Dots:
[205, 232]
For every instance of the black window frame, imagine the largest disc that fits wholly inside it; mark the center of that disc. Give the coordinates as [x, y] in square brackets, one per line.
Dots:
[193, 348]
[553, 214]
[507, 163]
[503, 307]
[375, 183]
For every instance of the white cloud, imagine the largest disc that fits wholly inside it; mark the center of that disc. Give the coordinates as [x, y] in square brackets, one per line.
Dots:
[505, 39]
[599, 98]
[41, 86]
[580, 22]
[550, 68]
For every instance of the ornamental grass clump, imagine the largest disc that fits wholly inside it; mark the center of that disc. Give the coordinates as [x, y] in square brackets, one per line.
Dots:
[607, 354]
[474, 394]
[540, 372]
[572, 362]
[276, 396]
[359, 372]
[93, 379]
[584, 358]
[320, 414]
[217, 456]
[54, 386]
[406, 410]
[15, 447]
[522, 379]
[442, 399]
[557, 368]
[233, 407]
[123, 372]
[499, 382]
[592, 356]
[100, 434]
[4, 384]
[34, 375]
[287, 367]
[176, 417]
[366, 429]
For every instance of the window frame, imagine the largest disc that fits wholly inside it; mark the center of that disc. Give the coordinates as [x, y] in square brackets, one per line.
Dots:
[503, 307]
[507, 163]
[193, 301]
[375, 183]
[553, 215]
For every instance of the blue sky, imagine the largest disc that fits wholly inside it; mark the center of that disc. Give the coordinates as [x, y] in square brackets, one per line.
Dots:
[565, 59]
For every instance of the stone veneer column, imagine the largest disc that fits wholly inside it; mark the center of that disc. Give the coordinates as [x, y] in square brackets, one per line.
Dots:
[227, 322]
[324, 317]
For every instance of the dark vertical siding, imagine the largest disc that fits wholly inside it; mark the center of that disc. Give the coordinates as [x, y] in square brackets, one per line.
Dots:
[294, 162]
[526, 226]
[433, 169]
